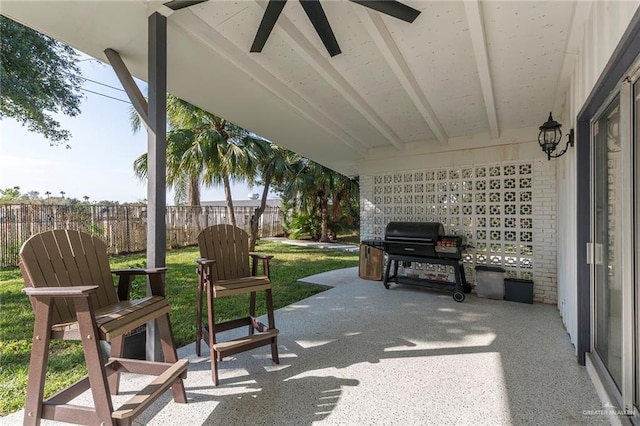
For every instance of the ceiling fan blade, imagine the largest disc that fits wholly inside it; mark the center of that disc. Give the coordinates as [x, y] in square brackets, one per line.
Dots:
[271, 14]
[181, 4]
[316, 15]
[392, 8]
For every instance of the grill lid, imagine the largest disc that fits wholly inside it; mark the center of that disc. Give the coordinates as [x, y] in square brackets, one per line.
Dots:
[424, 232]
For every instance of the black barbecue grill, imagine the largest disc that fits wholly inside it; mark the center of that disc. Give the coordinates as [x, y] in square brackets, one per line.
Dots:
[424, 242]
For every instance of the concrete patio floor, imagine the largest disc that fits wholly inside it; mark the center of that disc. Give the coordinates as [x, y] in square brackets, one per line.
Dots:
[358, 354]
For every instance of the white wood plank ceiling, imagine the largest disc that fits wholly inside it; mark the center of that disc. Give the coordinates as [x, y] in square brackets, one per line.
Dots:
[462, 68]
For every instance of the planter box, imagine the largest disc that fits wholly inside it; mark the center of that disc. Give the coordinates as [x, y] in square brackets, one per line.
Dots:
[518, 290]
[371, 262]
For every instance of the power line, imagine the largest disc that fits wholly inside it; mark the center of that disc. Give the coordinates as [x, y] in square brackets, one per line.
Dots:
[106, 96]
[105, 85]
[81, 77]
[101, 84]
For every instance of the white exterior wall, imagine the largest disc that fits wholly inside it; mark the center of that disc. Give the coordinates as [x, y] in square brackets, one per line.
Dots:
[555, 233]
[605, 26]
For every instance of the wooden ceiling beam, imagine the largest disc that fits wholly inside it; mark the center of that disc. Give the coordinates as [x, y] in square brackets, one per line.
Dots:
[479, 42]
[390, 51]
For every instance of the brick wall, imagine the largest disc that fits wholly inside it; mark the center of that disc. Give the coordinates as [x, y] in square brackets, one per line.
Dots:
[545, 232]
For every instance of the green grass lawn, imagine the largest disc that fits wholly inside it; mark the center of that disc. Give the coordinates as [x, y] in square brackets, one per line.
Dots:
[66, 364]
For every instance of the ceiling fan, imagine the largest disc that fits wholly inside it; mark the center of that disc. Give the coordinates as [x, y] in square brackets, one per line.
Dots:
[181, 4]
[316, 15]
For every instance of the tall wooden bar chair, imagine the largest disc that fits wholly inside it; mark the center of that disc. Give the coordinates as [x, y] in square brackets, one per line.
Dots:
[72, 292]
[223, 270]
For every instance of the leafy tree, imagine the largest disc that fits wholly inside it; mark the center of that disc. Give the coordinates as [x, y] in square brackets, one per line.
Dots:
[304, 223]
[10, 195]
[39, 77]
[15, 196]
[32, 195]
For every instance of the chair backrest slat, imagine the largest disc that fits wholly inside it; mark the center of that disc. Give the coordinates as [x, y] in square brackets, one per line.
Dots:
[221, 252]
[243, 243]
[229, 247]
[93, 265]
[38, 271]
[68, 258]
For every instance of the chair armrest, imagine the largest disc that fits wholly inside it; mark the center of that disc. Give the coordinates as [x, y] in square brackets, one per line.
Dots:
[139, 271]
[265, 263]
[261, 256]
[125, 277]
[204, 269]
[71, 291]
[203, 262]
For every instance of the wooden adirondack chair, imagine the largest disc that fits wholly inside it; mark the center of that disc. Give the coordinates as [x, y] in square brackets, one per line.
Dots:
[223, 271]
[71, 289]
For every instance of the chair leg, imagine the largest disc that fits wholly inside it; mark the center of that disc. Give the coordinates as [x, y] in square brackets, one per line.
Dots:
[252, 309]
[117, 349]
[214, 368]
[212, 334]
[272, 324]
[274, 351]
[199, 312]
[171, 355]
[38, 363]
[95, 367]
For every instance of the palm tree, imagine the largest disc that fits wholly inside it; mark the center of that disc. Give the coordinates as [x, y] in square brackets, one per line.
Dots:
[203, 149]
[313, 188]
[232, 155]
[275, 164]
[183, 171]
[182, 176]
[307, 194]
[345, 202]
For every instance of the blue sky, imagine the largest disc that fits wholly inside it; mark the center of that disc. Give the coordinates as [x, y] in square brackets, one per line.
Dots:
[103, 147]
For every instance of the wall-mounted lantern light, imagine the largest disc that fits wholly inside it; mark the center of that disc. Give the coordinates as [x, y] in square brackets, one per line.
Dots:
[550, 135]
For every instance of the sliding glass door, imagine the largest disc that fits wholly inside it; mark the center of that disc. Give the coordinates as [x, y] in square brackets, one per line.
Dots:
[607, 242]
[615, 131]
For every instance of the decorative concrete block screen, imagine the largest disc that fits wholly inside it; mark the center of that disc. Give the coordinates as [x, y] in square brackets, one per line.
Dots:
[506, 211]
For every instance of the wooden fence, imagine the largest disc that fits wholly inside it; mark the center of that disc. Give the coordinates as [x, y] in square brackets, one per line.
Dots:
[122, 228]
